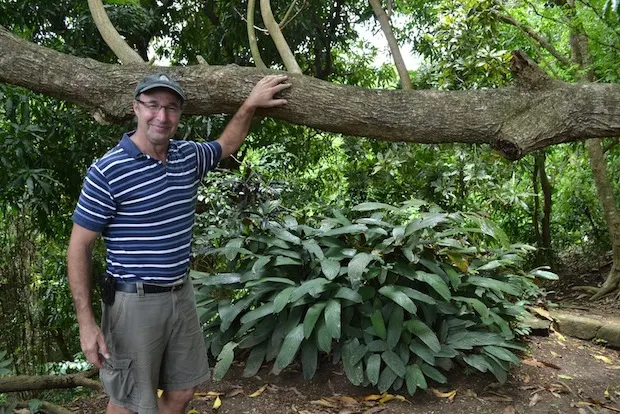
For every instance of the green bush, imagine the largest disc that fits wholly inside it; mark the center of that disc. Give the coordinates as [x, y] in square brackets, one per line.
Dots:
[399, 295]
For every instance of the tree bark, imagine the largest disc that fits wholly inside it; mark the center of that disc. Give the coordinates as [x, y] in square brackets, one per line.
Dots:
[20, 383]
[535, 113]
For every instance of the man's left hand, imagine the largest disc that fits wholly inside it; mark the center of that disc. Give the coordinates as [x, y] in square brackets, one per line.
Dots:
[262, 95]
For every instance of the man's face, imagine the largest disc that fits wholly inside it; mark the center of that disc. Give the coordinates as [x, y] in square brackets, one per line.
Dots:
[158, 112]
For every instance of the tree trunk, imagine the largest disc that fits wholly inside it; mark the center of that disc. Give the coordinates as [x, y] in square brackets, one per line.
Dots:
[536, 112]
[535, 212]
[545, 186]
[605, 194]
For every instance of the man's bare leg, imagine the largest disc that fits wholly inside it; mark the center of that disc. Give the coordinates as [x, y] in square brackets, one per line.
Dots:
[115, 409]
[175, 402]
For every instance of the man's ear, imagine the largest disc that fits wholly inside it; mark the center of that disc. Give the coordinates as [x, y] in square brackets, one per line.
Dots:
[135, 106]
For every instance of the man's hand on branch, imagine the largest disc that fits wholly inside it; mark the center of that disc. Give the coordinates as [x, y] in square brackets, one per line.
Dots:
[262, 95]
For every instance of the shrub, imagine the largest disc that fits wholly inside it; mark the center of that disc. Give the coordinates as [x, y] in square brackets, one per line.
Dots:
[398, 294]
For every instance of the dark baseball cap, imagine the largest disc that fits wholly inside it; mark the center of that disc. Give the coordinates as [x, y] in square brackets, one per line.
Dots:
[159, 80]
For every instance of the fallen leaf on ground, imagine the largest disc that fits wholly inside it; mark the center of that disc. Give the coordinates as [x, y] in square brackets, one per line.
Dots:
[324, 402]
[449, 395]
[566, 377]
[555, 354]
[542, 312]
[234, 392]
[217, 403]
[534, 399]
[348, 401]
[614, 367]
[510, 410]
[376, 409]
[497, 397]
[541, 364]
[258, 391]
[603, 358]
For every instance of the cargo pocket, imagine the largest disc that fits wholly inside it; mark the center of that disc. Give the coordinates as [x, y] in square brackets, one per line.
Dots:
[117, 377]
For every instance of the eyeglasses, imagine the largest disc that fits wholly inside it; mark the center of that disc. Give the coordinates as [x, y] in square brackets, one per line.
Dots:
[155, 107]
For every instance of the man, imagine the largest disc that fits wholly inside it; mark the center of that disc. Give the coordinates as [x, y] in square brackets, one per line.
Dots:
[140, 196]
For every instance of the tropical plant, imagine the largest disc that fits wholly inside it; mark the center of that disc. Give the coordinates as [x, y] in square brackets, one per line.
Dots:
[398, 294]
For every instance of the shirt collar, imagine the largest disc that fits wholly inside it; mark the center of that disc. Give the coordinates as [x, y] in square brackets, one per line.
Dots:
[133, 151]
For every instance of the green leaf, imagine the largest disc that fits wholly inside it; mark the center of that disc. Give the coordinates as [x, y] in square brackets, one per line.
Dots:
[377, 346]
[433, 373]
[379, 324]
[373, 207]
[282, 299]
[229, 311]
[395, 327]
[270, 279]
[270, 241]
[224, 360]
[417, 295]
[312, 316]
[352, 355]
[255, 360]
[332, 318]
[436, 282]
[373, 222]
[324, 338]
[502, 353]
[489, 283]
[386, 379]
[260, 263]
[394, 362]
[426, 334]
[429, 221]
[308, 286]
[422, 351]
[477, 361]
[415, 378]
[309, 359]
[348, 294]
[356, 268]
[330, 268]
[353, 229]
[480, 307]
[290, 346]
[219, 279]
[286, 236]
[286, 261]
[260, 312]
[313, 247]
[395, 294]
[544, 274]
[373, 367]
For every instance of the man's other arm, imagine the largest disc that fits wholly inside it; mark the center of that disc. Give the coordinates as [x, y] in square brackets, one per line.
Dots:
[79, 269]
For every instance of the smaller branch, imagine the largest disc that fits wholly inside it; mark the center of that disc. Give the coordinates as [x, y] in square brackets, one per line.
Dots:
[534, 35]
[601, 17]
[112, 38]
[258, 60]
[610, 146]
[283, 24]
[386, 27]
[287, 15]
[278, 38]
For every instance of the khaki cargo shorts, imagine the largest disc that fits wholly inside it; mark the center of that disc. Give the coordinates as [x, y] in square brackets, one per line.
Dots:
[155, 342]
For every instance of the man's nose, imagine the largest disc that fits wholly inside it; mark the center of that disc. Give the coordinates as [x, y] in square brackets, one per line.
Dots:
[162, 114]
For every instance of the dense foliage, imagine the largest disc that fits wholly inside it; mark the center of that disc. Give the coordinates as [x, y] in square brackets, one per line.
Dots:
[395, 294]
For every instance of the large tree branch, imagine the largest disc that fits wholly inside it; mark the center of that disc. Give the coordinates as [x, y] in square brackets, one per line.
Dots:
[533, 114]
[21, 383]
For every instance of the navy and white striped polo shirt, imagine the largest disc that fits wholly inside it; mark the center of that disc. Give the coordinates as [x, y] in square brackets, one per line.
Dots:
[145, 209]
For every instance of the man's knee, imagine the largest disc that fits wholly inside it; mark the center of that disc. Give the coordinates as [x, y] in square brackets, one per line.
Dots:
[178, 397]
[115, 409]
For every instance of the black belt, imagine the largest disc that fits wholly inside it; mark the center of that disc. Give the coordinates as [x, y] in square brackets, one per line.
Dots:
[133, 288]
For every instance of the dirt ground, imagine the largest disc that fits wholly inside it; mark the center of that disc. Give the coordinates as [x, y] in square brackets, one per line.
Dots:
[558, 375]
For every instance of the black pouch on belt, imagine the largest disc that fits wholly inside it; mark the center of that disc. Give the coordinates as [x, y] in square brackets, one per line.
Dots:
[107, 283]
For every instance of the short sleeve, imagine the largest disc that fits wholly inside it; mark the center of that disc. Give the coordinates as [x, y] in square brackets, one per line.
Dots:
[96, 205]
[208, 155]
